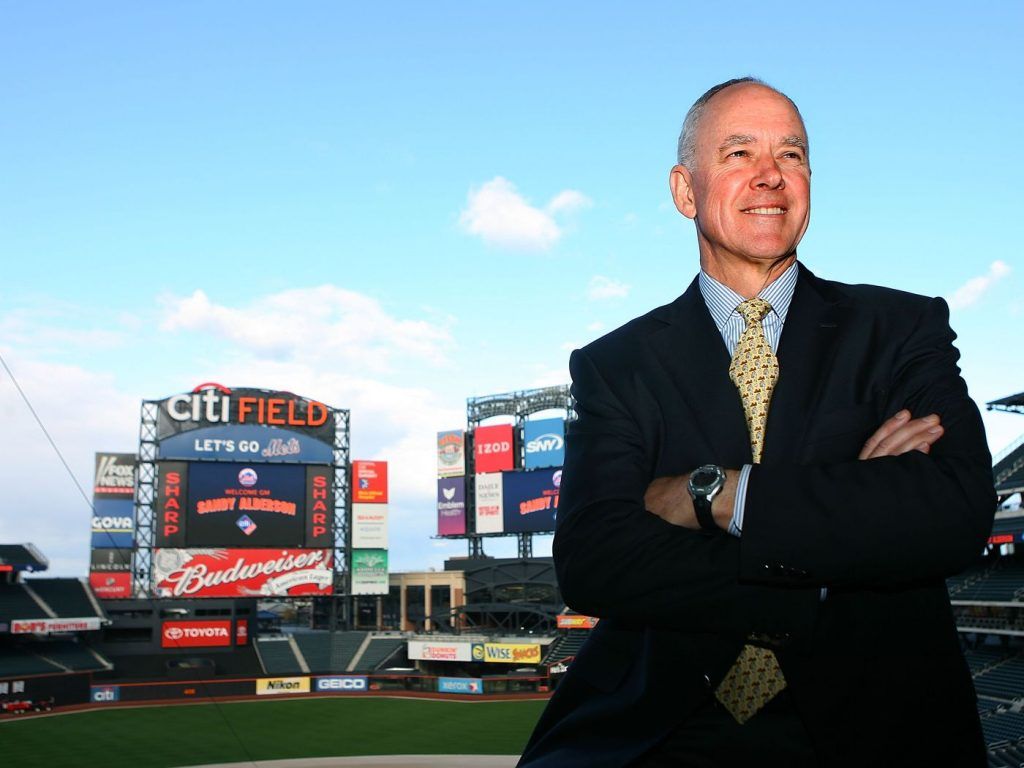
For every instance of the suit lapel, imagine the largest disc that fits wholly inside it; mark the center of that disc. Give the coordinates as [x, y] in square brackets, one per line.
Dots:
[692, 351]
[806, 353]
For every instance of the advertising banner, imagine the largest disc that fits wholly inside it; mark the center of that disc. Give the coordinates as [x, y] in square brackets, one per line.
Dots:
[370, 482]
[319, 506]
[492, 449]
[434, 651]
[195, 634]
[171, 501]
[115, 476]
[370, 526]
[111, 586]
[451, 453]
[241, 631]
[246, 505]
[342, 684]
[369, 571]
[530, 500]
[451, 506]
[488, 492]
[110, 560]
[275, 686]
[49, 626]
[473, 685]
[104, 694]
[544, 443]
[511, 653]
[214, 405]
[242, 572]
[564, 621]
[113, 523]
[247, 442]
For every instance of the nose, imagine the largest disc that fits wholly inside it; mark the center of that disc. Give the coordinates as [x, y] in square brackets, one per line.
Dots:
[767, 175]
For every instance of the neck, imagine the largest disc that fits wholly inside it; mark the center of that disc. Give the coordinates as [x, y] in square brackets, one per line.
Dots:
[747, 278]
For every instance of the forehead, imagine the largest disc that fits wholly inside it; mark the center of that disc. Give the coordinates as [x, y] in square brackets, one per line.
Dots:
[752, 110]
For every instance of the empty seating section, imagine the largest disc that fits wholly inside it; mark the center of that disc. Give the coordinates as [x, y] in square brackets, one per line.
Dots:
[343, 648]
[1004, 680]
[1002, 580]
[277, 657]
[70, 654]
[1002, 726]
[316, 650]
[16, 603]
[66, 597]
[16, 661]
[378, 651]
[566, 646]
[1007, 756]
[988, 705]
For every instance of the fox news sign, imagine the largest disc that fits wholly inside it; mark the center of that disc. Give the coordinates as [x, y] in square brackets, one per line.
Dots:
[544, 443]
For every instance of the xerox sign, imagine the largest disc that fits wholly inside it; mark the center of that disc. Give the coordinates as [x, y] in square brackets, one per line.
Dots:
[342, 684]
[544, 443]
[195, 634]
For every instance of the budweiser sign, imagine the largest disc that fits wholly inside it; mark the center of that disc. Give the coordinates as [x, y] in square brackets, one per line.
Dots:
[242, 572]
[193, 634]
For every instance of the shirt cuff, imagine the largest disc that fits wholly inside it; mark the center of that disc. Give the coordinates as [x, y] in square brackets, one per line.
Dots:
[740, 502]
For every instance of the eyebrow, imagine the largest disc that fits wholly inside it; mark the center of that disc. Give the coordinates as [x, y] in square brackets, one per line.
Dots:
[742, 139]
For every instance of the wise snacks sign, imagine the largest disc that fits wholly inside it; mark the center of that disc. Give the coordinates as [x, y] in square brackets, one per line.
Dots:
[195, 634]
[242, 572]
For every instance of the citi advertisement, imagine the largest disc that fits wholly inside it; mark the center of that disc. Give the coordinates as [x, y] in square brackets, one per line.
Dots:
[488, 493]
[451, 453]
[342, 684]
[242, 572]
[370, 482]
[369, 571]
[111, 586]
[276, 686]
[104, 694]
[530, 500]
[492, 448]
[115, 476]
[214, 405]
[370, 526]
[246, 442]
[451, 506]
[471, 685]
[113, 523]
[511, 653]
[195, 634]
[544, 443]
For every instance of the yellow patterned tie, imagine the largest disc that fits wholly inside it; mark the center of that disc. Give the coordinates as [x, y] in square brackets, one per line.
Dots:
[755, 677]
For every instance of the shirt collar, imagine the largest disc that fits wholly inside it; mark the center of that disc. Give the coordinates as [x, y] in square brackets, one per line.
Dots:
[723, 300]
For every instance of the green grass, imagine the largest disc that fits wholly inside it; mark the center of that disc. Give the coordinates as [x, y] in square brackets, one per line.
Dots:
[161, 737]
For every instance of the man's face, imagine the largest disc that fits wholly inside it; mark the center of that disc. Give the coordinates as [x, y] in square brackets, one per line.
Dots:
[750, 190]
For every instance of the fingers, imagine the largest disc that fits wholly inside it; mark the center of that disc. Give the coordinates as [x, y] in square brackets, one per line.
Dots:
[900, 434]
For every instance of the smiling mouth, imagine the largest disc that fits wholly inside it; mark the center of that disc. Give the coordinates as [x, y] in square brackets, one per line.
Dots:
[775, 211]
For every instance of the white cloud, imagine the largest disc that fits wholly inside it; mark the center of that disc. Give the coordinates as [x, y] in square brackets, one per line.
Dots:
[326, 323]
[970, 292]
[499, 215]
[602, 287]
[596, 326]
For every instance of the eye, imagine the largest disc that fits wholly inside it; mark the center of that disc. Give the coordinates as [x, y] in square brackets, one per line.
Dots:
[738, 153]
[793, 155]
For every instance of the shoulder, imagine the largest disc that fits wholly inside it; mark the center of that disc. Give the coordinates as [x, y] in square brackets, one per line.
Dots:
[617, 348]
[876, 301]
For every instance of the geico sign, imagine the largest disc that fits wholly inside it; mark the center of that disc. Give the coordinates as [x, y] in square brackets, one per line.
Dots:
[109, 523]
[499, 446]
[341, 684]
[544, 443]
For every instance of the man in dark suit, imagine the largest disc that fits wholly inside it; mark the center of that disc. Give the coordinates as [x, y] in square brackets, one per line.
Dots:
[767, 484]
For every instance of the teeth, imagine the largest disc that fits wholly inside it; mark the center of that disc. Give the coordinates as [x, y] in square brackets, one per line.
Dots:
[769, 211]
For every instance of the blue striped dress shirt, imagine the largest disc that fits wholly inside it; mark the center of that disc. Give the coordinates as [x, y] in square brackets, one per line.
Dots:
[722, 302]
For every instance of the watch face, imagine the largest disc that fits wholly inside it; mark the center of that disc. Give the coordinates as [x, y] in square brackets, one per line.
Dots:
[705, 478]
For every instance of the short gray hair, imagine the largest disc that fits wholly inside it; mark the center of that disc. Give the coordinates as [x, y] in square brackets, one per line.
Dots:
[686, 153]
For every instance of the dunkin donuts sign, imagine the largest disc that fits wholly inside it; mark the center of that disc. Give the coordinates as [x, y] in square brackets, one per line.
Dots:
[242, 572]
[195, 634]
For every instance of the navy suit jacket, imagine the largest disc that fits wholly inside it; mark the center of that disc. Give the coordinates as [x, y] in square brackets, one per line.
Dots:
[875, 670]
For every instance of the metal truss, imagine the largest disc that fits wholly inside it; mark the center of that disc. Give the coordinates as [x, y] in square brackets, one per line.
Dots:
[342, 499]
[145, 497]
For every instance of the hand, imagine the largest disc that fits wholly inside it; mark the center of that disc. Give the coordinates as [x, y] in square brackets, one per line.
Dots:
[900, 434]
[669, 498]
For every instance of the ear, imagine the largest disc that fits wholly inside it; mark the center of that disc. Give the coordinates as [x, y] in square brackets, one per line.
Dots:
[680, 181]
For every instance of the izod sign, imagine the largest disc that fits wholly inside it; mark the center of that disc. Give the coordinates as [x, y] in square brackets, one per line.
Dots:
[216, 405]
[194, 634]
[492, 448]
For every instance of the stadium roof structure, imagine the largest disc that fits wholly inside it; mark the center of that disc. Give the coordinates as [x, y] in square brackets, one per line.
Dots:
[22, 557]
[1013, 404]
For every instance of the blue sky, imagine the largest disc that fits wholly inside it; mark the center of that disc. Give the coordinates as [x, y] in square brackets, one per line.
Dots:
[394, 208]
